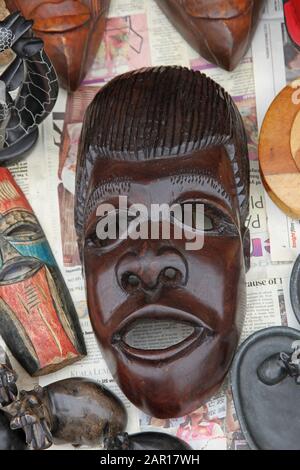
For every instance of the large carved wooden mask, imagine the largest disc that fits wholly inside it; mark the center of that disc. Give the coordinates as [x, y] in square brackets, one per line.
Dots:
[171, 135]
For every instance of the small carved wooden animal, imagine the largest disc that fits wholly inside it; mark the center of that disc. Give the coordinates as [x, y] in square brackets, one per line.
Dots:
[75, 411]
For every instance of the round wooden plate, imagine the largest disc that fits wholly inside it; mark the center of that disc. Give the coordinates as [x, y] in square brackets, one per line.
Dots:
[279, 150]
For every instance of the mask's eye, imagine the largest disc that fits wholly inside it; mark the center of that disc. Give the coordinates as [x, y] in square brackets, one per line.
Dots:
[93, 241]
[202, 217]
[208, 223]
[109, 229]
[24, 231]
[192, 215]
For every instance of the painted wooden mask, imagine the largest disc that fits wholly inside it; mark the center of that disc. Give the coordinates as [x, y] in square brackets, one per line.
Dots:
[72, 31]
[220, 30]
[160, 136]
[38, 321]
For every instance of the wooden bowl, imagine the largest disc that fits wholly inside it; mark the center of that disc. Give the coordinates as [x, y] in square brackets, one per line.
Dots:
[279, 150]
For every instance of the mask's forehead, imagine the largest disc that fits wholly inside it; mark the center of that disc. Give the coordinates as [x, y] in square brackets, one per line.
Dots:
[11, 197]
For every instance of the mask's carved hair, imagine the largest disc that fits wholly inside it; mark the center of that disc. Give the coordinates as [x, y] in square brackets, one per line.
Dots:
[161, 112]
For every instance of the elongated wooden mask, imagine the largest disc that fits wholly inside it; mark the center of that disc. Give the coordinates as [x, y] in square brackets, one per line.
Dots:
[220, 30]
[170, 135]
[38, 321]
[72, 31]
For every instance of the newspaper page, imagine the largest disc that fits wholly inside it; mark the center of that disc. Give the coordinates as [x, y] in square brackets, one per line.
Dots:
[139, 35]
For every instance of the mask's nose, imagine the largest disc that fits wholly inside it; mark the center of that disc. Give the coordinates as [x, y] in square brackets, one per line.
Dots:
[151, 271]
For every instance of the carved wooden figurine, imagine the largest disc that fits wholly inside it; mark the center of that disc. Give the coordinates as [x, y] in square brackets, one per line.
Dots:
[220, 30]
[33, 74]
[72, 31]
[160, 136]
[38, 320]
[8, 378]
[9, 439]
[75, 411]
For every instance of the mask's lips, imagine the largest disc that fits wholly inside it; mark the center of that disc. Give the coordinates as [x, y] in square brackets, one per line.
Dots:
[200, 333]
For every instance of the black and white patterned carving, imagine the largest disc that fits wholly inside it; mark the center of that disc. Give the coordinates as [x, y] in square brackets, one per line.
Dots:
[6, 39]
[33, 75]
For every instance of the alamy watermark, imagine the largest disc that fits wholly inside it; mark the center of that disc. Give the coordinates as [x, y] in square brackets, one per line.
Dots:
[178, 221]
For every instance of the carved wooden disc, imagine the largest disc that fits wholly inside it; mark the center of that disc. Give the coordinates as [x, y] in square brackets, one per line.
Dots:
[279, 150]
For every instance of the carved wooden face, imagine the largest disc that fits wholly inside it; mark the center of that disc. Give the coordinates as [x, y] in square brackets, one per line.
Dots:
[170, 145]
[133, 280]
[72, 31]
[31, 293]
[220, 30]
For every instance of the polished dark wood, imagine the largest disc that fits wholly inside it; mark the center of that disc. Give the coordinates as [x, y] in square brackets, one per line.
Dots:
[72, 31]
[8, 379]
[38, 320]
[265, 379]
[162, 135]
[146, 441]
[220, 30]
[75, 411]
[9, 439]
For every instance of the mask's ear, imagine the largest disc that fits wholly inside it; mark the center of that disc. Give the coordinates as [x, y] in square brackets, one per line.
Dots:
[246, 247]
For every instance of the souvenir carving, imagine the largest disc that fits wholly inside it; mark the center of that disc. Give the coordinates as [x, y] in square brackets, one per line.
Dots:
[7, 55]
[165, 135]
[9, 439]
[295, 288]
[146, 441]
[75, 411]
[265, 385]
[292, 20]
[72, 31]
[220, 30]
[279, 150]
[38, 320]
[8, 378]
[33, 74]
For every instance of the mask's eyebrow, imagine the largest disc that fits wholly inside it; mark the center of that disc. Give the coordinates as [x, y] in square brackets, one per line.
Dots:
[202, 180]
[104, 190]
